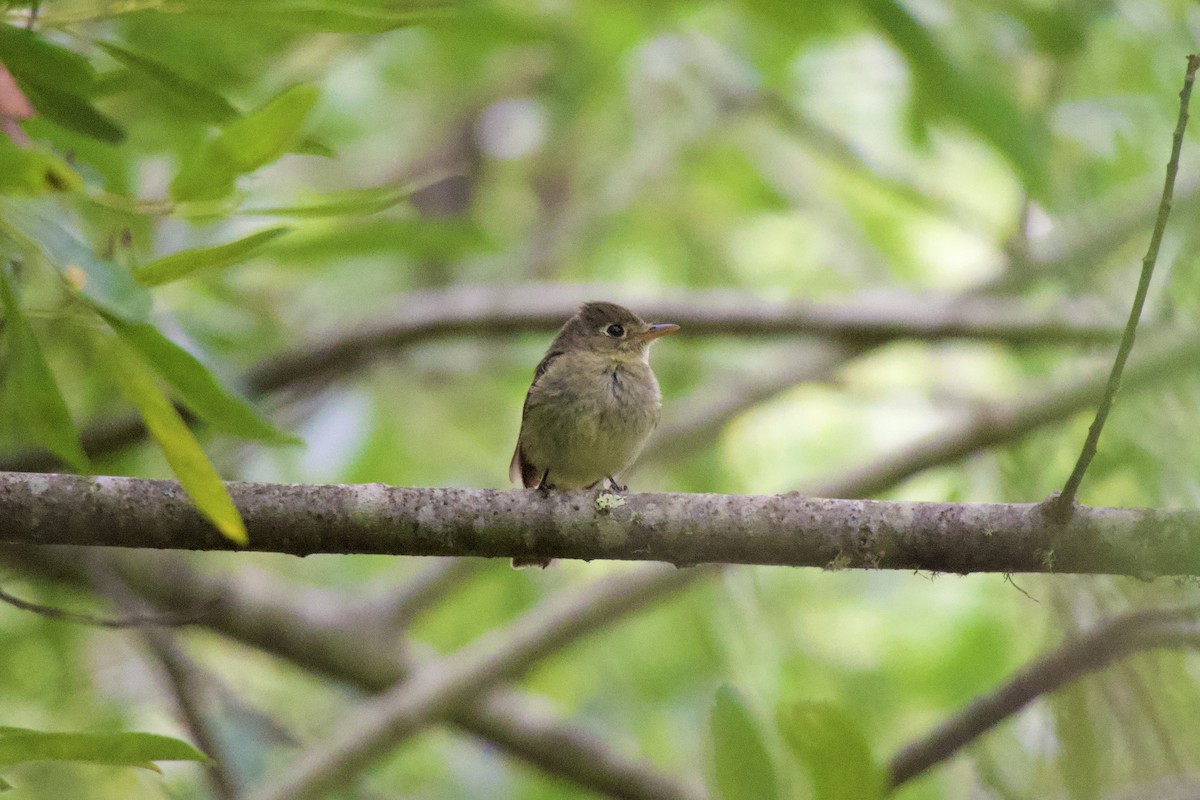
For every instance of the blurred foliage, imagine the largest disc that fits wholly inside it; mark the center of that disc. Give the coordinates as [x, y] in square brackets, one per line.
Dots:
[206, 182]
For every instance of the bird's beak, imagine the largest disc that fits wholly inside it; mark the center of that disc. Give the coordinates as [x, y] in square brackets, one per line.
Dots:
[658, 330]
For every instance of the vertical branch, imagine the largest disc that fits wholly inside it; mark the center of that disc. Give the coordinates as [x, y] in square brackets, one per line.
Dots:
[1065, 502]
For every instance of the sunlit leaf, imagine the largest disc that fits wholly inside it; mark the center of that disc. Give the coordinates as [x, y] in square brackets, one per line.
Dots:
[106, 284]
[191, 466]
[34, 399]
[117, 749]
[198, 388]
[741, 767]
[199, 100]
[184, 263]
[833, 750]
[34, 171]
[245, 145]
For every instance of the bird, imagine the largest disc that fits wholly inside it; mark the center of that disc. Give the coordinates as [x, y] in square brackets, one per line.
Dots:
[593, 402]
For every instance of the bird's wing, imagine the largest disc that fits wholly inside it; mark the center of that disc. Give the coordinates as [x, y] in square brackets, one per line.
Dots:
[519, 471]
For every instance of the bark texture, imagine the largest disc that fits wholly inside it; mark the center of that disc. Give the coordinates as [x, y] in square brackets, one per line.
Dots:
[682, 529]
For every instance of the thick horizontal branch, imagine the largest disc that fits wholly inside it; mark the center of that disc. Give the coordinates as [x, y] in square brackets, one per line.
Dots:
[683, 529]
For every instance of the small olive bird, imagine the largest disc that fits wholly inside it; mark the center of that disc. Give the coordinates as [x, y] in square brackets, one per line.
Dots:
[593, 402]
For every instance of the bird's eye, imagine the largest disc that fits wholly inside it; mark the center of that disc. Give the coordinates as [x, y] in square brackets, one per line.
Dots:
[615, 331]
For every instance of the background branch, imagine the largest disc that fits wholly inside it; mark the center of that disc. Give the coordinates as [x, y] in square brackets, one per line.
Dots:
[489, 311]
[263, 612]
[1114, 639]
[442, 685]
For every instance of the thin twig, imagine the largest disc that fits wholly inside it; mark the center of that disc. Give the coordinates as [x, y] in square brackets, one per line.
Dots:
[1114, 639]
[1066, 499]
[133, 621]
[180, 674]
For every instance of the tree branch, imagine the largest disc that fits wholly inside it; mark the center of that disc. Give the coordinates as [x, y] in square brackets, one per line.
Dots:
[266, 614]
[440, 686]
[491, 311]
[1110, 641]
[488, 311]
[1066, 498]
[683, 529]
[997, 423]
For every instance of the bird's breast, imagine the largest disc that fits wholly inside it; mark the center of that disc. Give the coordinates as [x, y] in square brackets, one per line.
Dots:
[589, 417]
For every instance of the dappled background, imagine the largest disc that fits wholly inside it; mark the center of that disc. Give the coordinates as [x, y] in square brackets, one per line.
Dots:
[468, 158]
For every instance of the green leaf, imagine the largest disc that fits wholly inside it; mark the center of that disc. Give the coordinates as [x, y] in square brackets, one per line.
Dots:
[200, 101]
[309, 146]
[326, 16]
[355, 202]
[245, 145]
[102, 282]
[742, 767]
[71, 111]
[117, 749]
[197, 386]
[4, 785]
[1085, 767]
[34, 171]
[191, 466]
[184, 263]
[36, 403]
[30, 57]
[833, 751]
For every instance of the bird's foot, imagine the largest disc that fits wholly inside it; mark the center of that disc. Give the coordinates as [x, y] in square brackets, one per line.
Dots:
[613, 486]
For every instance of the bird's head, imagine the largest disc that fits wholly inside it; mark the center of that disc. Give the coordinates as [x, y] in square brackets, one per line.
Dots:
[607, 328]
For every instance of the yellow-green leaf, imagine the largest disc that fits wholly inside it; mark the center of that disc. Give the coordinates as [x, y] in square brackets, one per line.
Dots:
[246, 144]
[36, 403]
[188, 461]
[833, 750]
[197, 386]
[326, 15]
[352, 202]
[34, 171]
[741, 764]
[107, 285]
[184, 263]
[117, 749]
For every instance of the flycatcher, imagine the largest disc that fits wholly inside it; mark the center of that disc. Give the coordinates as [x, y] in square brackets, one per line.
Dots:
[593, 402]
